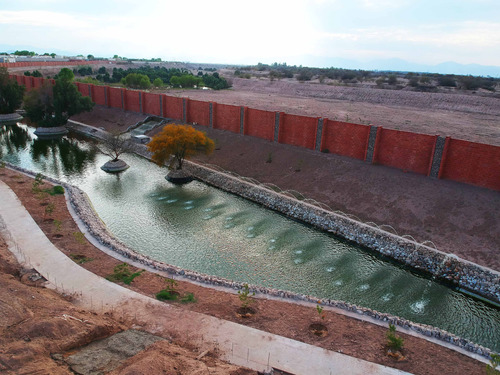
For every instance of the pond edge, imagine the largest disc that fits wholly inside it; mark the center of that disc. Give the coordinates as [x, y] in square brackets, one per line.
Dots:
[84, 209]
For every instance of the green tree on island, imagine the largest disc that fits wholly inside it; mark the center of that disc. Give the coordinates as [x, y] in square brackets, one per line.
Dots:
[51, 106]
[11, 94]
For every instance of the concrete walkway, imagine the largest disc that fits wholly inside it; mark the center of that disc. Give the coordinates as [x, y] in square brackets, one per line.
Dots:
[238, 344]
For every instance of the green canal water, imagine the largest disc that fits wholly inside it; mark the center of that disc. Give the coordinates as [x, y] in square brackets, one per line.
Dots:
[201, 228]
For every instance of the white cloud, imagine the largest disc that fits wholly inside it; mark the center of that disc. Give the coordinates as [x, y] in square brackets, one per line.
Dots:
[41, 18]
[383, 5]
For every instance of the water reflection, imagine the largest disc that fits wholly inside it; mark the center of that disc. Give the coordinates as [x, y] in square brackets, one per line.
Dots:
[64, 155]
[13, 138]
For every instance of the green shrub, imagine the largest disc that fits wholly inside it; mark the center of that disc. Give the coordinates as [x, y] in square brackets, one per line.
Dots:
[392, 79]
[447, 81]
[136, 81]
[166, 295]
[57, 190]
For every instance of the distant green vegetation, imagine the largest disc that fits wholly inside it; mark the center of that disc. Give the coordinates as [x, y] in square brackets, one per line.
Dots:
[173, 76]
[84, 70]
[35, 73]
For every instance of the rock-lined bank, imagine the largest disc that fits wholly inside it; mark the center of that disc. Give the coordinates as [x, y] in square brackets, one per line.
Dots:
[445, 267]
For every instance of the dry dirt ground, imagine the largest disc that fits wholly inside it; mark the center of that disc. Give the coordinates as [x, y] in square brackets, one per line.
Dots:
[34, 323]
[461, 115]
[458, 218]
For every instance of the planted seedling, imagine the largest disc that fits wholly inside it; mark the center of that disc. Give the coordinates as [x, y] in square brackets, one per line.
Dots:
[318, 328]
[245, 311]
[394, 344]
[319, 309]
[269, 158]
[49, 209]
[35, 187]
[57, 224]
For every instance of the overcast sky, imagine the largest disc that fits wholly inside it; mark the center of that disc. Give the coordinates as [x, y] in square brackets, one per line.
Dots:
[307, 32]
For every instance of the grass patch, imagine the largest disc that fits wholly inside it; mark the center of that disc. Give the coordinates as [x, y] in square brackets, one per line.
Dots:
[80, 259]
[188, 298]
[79, 237]
[122, 273]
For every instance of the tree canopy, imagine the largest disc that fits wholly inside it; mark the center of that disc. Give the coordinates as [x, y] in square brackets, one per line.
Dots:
[136, 81]
[11, 94]
[52, 106]
[180, 141]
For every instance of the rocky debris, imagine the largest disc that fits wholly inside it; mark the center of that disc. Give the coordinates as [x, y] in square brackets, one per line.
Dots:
[105, 355]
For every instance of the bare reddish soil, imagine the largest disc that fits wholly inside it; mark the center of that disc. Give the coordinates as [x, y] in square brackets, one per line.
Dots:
[347, 335]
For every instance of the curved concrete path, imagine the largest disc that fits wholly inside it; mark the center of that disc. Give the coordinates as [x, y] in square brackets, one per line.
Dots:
[238, 344]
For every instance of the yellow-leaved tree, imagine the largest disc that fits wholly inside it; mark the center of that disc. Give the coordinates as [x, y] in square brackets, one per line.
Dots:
[180, 141]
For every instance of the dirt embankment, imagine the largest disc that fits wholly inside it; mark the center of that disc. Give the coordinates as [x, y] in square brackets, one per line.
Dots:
[346, 335]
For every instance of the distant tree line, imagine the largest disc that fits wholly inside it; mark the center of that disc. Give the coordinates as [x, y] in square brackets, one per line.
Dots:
[158, 76]
[396, 80]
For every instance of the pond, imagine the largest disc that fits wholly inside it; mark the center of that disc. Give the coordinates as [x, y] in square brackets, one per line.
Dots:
[204, 229]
